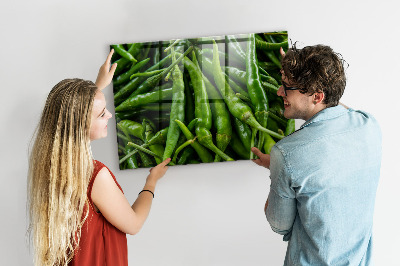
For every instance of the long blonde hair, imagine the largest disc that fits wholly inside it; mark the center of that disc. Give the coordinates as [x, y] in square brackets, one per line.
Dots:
[60, 168]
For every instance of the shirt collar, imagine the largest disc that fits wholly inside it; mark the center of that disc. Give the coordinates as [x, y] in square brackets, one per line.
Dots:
[325, 114]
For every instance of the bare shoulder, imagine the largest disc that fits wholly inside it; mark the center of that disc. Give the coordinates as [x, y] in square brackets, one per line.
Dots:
[111, 202]
[104, 182]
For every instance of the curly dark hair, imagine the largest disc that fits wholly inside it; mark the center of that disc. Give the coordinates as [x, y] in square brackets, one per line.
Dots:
[316, 69]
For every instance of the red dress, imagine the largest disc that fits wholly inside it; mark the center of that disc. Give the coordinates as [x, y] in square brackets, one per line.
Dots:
[101, 243]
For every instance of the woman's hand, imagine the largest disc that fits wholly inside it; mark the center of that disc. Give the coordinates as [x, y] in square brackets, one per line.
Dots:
[106, 73]
[158, 171]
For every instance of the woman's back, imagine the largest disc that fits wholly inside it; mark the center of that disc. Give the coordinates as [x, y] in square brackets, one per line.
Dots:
[101, 243]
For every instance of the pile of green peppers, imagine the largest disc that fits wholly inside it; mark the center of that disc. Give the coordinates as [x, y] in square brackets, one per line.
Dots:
[198, 100]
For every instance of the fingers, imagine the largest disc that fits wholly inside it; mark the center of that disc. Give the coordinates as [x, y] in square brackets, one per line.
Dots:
[108, 60]
[256, 151]
[113, 68]
[282, 52]
[165, 162]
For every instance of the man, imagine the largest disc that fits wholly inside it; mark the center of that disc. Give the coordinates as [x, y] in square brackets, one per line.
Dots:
[324, 175]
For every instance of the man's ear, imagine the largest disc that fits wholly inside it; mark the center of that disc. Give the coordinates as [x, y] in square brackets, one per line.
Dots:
[318, 97]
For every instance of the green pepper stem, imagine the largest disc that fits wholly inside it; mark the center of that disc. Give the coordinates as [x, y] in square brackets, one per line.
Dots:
[251, 121]
[215, 149]
[147, 74]
[253, 137]
[172, 45]
[277, 118]
[177, 61]
[184, 145]
[123, 159]
[141, 148]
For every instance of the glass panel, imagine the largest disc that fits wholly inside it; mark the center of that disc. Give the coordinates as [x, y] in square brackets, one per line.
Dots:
[149, 95]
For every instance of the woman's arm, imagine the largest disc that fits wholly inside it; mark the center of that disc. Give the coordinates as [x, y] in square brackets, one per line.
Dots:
[114, 206]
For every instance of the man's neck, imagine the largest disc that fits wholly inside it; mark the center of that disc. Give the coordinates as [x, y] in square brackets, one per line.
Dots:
[318, 108]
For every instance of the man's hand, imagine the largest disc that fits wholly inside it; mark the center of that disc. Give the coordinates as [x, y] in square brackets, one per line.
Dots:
[264, 159]
[106, 74]
[282, 52]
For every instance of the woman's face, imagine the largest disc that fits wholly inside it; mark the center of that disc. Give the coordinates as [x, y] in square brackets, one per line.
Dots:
[100, 116]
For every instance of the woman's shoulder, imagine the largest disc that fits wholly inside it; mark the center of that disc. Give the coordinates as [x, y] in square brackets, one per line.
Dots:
[101, 168]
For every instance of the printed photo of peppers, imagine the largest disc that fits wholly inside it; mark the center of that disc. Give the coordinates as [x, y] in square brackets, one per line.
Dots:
[198, 100]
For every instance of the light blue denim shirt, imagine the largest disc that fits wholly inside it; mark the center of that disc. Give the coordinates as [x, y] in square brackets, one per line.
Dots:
[323, 183]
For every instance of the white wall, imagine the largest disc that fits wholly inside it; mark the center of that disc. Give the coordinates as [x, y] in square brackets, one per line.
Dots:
[202, 214]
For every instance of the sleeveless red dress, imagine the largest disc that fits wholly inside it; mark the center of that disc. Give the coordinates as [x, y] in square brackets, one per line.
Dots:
[101, 243]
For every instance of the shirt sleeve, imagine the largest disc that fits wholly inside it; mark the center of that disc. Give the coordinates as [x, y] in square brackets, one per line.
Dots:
[281, 210]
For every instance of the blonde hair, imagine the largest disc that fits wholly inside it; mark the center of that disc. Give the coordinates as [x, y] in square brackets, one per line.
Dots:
[60, 167]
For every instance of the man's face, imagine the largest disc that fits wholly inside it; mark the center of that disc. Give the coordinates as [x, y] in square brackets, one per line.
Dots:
[297, 105]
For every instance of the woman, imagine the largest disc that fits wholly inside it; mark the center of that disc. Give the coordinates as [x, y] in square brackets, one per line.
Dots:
[78, 212]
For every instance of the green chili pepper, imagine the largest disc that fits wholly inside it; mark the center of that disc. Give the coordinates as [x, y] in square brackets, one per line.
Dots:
[189, 101]
[122, 52]
[186, 155]
[290, 127]
[182, 137]
[276, 107]
[202, 109]
[268, 143]
[270, 54]
[134, 83]
[138, 100]
[256, 92]
[273, 125]
[237, 108]
[157, 107]
[267, 46]
[236, 87]
[177, 109]
[203, 153]
[269, 66]
[281, 121]
[236, 74]
[146, 160]
[181, 147]
[131, 162]
[238, 51]
[246, 99]
[237, 146]
[158, 138]
[235, 49]
[151, 82]
[269, 79]
[125, 77]
[134, 49]
[131, 128]
[149, 133]
[270, 88]
[220, 114]
[122, 137]
[244, 133]
[147, 73]
[233, 60]
[140, 148]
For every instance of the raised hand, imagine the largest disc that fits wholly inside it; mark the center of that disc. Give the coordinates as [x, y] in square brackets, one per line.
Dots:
[106, 72]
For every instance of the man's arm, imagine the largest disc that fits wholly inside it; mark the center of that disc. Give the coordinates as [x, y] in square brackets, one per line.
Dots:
[281, 207]
[345, 106]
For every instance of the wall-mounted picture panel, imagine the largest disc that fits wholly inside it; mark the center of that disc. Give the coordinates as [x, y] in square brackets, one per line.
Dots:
[198, 100]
